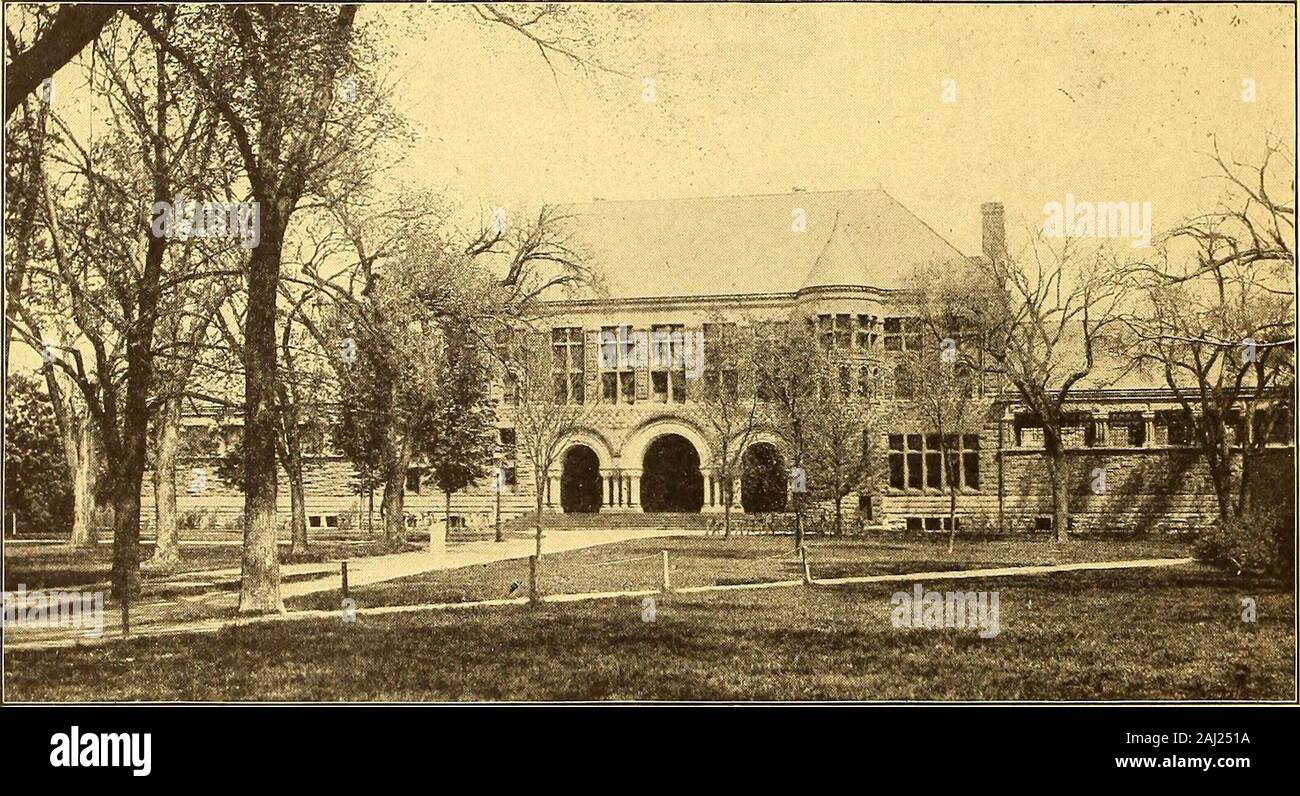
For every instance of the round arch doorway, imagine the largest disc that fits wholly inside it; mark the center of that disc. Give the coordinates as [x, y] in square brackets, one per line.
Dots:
[670, 476]
[762, 482]
[580, 481]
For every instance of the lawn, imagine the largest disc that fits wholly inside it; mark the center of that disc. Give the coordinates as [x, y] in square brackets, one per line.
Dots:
[51, 566]
[712, 560]
[1172, 633]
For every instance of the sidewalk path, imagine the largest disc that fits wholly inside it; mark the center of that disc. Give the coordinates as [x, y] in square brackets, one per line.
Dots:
[404, 564]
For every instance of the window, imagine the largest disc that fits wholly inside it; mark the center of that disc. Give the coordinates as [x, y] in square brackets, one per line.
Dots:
[314, 520]
[836, 331]
[903, 387]
[567, 364]
[331, 520]
[865, 338]
[1177, 430]
[867, 378]
[902, 334]
[510, 389]
[1126, 429]
[618, 356]
[668, 363]
[916, 461]
[846, 380]
[720, 365]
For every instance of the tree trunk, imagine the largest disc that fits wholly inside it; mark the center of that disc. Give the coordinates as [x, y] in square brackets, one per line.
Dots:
[533, 596]
[446, 516]
[952, 516]
[259, 587]
[85, 531]
[1060, 493]
[298, 505]
[726, 509]
[396, 458]
[126, 538]
[166, 551]
[839, 515]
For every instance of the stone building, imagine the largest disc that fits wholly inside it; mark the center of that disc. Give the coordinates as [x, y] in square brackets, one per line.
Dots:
[673, 270]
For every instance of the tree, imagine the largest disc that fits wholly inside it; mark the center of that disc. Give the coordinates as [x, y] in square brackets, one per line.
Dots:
[1215, 317]
[1042, 317]
[274, 90]
[38, 488]
[58, 37]
[728, 403]
[545, 414]
[93, 306]
[843, 430]
[455, 435]
[791, 397]
[944, 376]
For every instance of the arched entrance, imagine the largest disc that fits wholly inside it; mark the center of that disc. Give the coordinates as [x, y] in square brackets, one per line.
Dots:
[762, 485]
[670, 476]
[580, 481]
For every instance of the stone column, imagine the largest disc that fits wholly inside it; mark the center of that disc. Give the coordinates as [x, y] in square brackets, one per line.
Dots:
[633, 489]
[712, 498]
[1148, 429]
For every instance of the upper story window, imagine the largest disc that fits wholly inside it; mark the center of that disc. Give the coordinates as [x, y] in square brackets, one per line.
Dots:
[1126, 429]
[864, 337]
[668, 363]
[567, 364]
[1172, 425]
[617, 364]
[720, 377]
[902, 334]
[835, 331]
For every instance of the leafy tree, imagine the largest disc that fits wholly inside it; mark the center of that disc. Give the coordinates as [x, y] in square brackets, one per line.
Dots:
[38, 488]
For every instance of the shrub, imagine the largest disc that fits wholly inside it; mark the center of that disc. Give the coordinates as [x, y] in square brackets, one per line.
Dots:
[1259, 541]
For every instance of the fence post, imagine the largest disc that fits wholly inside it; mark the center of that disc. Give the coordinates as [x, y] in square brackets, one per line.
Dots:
[803, 557]
[344, 572]
[668, 585]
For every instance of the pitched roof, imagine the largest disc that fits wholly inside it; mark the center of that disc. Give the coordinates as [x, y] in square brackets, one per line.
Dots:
[750, 244]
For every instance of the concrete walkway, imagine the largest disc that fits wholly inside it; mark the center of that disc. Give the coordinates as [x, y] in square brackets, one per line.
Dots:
[403, 565]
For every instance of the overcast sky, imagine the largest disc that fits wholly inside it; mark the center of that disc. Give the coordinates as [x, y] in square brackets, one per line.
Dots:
[1109, 103]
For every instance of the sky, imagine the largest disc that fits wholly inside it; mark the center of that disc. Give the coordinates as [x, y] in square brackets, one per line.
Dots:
[1108, 103]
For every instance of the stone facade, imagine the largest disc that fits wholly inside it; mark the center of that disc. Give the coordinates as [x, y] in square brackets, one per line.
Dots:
[1130, 468]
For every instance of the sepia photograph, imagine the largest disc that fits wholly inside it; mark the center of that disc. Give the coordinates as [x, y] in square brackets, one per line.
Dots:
[893, 354]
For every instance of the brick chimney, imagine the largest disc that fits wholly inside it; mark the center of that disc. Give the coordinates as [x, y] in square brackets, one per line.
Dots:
[995, 230]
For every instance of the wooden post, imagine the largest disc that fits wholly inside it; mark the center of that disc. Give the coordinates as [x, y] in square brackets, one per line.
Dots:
[803, 557]
[344, 572]
[668, 584]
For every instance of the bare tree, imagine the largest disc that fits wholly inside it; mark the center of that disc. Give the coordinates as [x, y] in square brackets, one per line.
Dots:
[727, 398]
[1042, 316]
[546, 413]
[1215, 317]
[943, 378]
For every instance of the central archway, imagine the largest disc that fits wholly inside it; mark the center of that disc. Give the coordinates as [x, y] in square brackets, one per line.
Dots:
[670, 476]
[580, 481]
[762, 485]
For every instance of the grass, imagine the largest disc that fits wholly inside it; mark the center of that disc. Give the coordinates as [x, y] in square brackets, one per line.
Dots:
[704, 561]
[1170, 633]
[49, 566]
